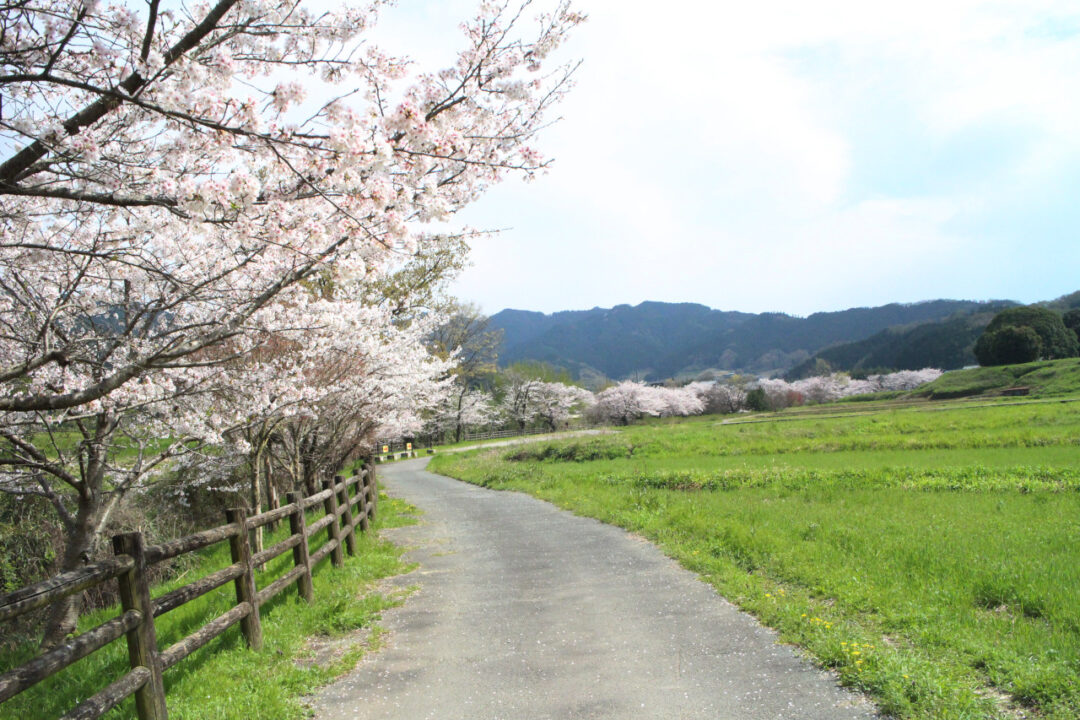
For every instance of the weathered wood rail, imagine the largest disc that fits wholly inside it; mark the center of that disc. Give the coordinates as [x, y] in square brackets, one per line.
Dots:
[348, 503]
[396, 449]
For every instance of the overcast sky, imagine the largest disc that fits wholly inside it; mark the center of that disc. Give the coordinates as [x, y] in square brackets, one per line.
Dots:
[790, 156]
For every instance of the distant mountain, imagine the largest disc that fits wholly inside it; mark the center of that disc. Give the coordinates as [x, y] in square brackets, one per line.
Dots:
[1065, 302]
[616, 342]
[657, 340]
[945, 344]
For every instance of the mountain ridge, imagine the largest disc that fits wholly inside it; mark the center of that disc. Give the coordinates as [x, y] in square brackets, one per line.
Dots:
[657, 340]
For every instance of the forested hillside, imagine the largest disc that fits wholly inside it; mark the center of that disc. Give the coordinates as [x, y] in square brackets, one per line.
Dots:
[945, 344]
[657, 340]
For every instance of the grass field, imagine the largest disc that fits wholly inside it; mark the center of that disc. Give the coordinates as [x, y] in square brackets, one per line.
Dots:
[929, 554]
[1045, 378]
[225, 680]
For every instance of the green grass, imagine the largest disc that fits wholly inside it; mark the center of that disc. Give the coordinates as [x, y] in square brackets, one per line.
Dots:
[1045, 378]
[123, 448]
[930, 555]
[225, 680]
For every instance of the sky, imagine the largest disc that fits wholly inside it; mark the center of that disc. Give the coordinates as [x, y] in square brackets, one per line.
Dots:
[788, 156]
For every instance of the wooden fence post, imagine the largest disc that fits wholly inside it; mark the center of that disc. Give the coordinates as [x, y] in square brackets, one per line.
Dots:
[245, 584]
[361, 495]
[362, 506]
[300, 554]
[373, 483]
[333, 530]
[344, 500]
[142, 640]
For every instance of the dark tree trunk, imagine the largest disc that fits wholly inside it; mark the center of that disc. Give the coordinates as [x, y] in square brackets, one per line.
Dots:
[308, 463]
[457, 423]
[80, 541]
[63, 615]
[81, 531]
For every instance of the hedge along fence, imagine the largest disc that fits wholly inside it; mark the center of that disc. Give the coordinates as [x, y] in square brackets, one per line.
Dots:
[348, 504]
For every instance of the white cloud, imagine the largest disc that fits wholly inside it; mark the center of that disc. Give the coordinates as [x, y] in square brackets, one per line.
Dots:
[704, 139]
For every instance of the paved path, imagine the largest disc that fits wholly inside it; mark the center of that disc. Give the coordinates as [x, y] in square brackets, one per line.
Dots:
[526, 612]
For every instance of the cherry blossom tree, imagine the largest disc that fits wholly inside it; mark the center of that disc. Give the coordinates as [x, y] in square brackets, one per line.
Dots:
[189, 246]
[719, 397]
[629, 401]
[554, 403]
[823, 388]
[677, 401]
[467, 338]
[163, 183]
[349, 371]
[626, 402]
[84, 461]
[828, 388]
[906, 379]
[461, 410]
[778, 393]
[517, 404]
[345, 371]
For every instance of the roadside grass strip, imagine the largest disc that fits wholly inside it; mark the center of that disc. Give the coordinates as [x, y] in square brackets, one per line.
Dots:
[929, 559]
[225, 680]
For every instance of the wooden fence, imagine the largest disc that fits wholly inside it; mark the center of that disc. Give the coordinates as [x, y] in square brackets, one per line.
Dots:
[348, 504]
[493, 434]
[397, 447]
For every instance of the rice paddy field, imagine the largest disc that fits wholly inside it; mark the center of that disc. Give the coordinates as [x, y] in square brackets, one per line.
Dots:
[928, 553]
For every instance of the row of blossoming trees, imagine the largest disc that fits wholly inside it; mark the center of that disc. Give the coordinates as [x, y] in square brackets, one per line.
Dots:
[211, 246]
[533, 403]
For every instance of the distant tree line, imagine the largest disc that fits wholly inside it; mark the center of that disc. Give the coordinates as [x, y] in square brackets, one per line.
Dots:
[532, 395]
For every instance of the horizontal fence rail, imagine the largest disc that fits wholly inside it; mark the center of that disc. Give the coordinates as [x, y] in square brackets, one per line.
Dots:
[402, 448]
[494, 434]
[348, 503]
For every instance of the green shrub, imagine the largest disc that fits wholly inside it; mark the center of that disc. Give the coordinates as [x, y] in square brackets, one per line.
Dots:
[1071, 318]
[757, 400]
[573, 452]
[1056, 340]
[1009, 345]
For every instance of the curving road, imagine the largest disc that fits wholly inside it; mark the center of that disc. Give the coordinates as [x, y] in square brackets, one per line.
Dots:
[527, 612]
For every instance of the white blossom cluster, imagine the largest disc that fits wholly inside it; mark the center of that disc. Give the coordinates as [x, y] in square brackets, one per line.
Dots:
[199, 205]
[629, 401]
[827, 388]
[527, 403]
